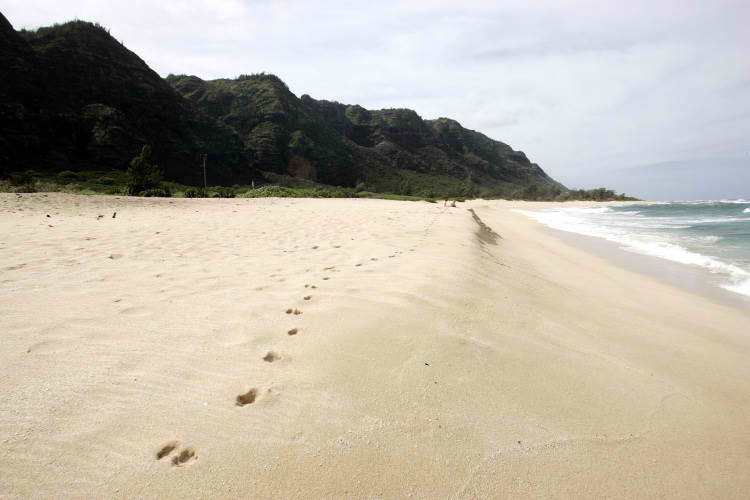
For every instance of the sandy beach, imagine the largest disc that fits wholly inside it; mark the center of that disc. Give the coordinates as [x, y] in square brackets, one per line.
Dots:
[339, 348]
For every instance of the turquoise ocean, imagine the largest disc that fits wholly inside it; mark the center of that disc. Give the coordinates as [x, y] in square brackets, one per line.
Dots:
[713, 235]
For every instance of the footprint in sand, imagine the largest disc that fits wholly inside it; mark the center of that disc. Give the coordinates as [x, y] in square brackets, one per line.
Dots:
[358, 265]
[293, 331]
[186, 455]
[51, 346]
[247, 398]
[374, 258]
[167, 449]
[307, 297]
[271, 356]
[296, 312]
[326, 278]
[115, 256]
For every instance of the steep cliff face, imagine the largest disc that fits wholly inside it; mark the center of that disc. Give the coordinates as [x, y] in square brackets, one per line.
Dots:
[73, 97]
[339, 144]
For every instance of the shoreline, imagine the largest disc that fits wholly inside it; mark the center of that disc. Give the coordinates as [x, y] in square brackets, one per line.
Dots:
[687, 277]
[438, 352]
[690, 278]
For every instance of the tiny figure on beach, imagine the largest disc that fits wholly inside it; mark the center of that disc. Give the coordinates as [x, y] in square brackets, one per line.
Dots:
[453, 203]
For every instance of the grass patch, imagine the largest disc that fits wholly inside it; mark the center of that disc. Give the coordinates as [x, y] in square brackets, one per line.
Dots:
[398, 197]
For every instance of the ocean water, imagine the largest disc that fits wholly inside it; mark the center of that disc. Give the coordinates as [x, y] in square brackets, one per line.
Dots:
[712, 235]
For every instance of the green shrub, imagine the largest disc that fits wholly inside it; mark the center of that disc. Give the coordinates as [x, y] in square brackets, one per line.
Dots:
[47, 186]
[142, 174]
[225, 192]
[321, 193]
[155, 193]
[342, 193]
[192, 192]
[66, 176]
[25, 188]
[106, 180]
[269, 191]
[22, 178]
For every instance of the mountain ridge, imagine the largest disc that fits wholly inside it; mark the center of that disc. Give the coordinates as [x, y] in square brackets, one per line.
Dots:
[75, 98]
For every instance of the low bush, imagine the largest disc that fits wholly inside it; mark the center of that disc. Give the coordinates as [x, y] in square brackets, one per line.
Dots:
[25, 188]
[155, 193]
[66, 176]
[225, 192]
[106, 180]
[270, 191]
[192, 192]
[342, 193]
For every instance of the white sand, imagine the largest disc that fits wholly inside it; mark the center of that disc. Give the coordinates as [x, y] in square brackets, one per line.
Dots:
[445, 365]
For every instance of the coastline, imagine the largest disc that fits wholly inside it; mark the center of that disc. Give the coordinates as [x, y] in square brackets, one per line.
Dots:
[686, 277]
[441, 353]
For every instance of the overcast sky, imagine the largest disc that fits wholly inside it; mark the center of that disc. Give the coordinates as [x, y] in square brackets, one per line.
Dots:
[597, 93]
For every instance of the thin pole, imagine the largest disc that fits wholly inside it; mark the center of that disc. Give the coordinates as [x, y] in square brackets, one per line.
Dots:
[205, 186]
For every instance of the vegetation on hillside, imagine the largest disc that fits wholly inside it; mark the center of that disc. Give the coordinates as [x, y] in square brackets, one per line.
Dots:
[143, 175]
[268, 185]
[75, 100]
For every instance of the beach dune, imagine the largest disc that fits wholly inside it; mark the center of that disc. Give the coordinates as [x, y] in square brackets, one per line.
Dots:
[306, 348]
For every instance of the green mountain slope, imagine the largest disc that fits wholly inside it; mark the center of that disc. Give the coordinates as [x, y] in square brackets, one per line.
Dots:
[342, 145]
[74, 98]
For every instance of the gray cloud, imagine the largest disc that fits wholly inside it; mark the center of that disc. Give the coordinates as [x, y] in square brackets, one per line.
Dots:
[584, 88]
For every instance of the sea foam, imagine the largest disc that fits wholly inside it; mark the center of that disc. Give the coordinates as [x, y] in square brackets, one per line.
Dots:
[741, 287]
[598, 222]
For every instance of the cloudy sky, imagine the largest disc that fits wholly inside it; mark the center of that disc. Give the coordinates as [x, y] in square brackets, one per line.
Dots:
[648, 97]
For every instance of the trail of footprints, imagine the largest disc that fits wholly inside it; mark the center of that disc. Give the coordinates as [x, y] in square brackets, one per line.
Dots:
[187, 455]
